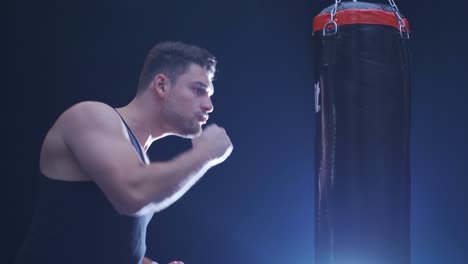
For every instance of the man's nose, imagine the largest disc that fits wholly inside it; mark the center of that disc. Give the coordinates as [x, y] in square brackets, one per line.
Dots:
[207, 106]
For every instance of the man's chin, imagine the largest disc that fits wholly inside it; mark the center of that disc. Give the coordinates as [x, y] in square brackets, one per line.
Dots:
[193, 133]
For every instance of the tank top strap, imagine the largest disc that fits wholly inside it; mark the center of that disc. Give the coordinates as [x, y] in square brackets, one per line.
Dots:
[133, 138]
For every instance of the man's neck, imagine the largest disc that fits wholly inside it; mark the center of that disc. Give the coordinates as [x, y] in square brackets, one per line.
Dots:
[143, 123]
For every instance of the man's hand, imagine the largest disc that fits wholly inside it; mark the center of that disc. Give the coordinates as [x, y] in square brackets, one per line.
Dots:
[215, 143]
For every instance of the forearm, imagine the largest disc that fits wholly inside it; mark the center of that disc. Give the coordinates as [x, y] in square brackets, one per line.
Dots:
[162, 183]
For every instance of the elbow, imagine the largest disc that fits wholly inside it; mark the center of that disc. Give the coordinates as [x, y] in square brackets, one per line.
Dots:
[129, 206]
[129, 203]
[135, 198]
[136, 206]
[128, 195]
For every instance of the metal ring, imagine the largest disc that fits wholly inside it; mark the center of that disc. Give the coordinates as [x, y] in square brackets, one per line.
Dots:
[324, 31]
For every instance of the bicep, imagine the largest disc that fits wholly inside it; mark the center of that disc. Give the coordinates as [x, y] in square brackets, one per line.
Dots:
[97, 142]
[101, 156]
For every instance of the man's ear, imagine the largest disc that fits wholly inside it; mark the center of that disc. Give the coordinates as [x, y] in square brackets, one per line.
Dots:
[160, 84]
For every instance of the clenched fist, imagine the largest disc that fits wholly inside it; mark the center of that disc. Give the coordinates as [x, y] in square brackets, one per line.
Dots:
[215, 143]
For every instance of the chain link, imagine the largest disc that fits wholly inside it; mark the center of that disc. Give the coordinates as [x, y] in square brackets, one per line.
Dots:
[334, 10]
[392, 3]
[332, 20]
[404, 33]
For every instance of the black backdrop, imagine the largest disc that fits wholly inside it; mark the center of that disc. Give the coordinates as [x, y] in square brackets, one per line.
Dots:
[258, 206]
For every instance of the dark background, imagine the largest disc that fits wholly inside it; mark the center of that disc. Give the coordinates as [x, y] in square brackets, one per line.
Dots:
[258, 206]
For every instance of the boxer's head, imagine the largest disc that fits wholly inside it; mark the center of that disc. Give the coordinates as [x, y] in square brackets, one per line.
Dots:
[172, 59]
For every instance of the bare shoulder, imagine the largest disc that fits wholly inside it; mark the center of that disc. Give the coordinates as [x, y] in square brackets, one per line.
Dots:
[90, 110]
[89, 114]
[81, 120]
[89, 106]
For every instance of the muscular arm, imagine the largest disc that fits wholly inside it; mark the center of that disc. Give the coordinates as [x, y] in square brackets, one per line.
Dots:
[96, 138]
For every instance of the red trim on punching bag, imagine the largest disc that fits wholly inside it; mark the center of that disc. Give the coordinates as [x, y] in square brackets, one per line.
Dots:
[360, 16]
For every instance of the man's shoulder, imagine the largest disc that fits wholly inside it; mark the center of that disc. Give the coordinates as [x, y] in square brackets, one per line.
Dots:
[89, 107]
[91, 113]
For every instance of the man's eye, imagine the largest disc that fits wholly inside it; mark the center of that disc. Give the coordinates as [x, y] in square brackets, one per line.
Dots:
[200, 91]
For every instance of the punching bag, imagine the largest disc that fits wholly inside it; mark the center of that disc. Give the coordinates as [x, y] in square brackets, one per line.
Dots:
[362, 104]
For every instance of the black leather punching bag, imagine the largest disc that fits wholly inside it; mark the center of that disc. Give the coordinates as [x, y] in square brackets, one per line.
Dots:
[362, 103]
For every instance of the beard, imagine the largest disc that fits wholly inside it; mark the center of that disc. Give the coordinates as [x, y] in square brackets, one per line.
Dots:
[186, 127]
[190, 131]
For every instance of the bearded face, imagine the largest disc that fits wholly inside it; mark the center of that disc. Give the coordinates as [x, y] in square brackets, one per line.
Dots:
[188, 103]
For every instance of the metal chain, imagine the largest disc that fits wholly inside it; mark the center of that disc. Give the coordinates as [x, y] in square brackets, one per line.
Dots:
[404, 33]
[332, 20]
[334, 10]
[392, 3]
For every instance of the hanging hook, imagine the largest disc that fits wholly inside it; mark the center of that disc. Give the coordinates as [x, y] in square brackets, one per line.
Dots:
[326, 31]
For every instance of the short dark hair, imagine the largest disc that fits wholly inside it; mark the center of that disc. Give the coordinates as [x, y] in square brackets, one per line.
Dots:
[173, 59]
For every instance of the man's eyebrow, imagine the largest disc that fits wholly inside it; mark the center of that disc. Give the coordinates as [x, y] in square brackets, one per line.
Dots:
[209, 89]
[200, 83]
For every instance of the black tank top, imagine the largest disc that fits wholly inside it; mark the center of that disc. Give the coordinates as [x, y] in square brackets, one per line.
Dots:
[74, 222]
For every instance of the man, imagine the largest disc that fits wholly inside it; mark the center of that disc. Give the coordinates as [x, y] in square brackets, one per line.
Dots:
[98, 189]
